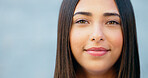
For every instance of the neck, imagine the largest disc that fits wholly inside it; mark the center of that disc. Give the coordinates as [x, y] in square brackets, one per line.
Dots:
[81, 73]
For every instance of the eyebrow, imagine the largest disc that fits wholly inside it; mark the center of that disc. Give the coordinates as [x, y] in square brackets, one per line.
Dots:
[111, 14]
[83, 13]
[90, 14]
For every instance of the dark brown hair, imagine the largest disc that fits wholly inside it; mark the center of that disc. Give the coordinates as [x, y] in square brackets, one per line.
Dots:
[127, 65]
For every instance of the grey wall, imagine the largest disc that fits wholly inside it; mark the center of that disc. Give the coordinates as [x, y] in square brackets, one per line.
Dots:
[141, 14]
[28, 30]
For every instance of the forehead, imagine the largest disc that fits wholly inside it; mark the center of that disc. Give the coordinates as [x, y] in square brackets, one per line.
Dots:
[96, 6]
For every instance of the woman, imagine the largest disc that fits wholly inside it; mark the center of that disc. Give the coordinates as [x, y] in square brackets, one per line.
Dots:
[97, 39]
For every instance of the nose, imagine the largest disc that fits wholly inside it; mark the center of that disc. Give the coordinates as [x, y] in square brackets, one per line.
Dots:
[97, 34]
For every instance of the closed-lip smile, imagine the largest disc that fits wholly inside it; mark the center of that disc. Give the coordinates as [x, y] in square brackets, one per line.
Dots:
[97, 51]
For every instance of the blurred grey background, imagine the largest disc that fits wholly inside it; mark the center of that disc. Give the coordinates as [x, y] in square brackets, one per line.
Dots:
[28, 33]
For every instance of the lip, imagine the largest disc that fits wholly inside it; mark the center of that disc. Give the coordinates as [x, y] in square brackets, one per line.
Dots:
[97, 51]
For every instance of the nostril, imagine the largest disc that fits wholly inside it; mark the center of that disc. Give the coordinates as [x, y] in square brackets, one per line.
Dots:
[93, 39]
[101, 39]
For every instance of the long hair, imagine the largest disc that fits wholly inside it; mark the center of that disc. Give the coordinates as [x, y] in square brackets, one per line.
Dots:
[127, 66]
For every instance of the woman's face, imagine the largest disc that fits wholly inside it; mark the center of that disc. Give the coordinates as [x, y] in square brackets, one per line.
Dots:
[96, 37]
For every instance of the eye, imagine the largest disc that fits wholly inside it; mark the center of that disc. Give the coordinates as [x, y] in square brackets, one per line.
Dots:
[113, 23]
[82, 21]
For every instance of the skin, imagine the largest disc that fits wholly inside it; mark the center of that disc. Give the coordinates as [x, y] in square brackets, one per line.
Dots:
[97, 19]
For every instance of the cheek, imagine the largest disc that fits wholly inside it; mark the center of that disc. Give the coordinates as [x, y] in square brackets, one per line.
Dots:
[77, 39]
[116, 40]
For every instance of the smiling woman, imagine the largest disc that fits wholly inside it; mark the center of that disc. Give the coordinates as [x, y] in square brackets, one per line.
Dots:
[97, 39]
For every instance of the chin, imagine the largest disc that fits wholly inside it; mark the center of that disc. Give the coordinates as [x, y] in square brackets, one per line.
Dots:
[97, 69]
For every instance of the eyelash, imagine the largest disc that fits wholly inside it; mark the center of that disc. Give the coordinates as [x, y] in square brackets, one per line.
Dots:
[82, 21]
[113, 22]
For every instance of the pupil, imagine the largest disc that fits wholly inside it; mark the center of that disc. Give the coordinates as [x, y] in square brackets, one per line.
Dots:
[82, 21]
